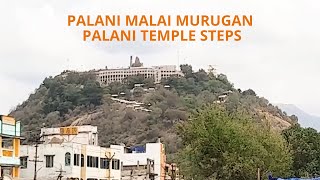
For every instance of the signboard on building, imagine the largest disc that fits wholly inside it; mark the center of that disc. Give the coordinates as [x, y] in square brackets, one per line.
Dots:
[69, 130]
[7, 153]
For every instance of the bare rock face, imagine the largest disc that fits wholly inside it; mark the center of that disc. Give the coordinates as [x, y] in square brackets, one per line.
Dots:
[56, 140]
[85, 119]
[275, 122]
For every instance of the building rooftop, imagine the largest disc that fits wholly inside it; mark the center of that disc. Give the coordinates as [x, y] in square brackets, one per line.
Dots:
[58, 130]
[86, 134]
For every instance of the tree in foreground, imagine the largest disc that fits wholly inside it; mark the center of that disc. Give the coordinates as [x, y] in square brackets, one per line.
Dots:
[305, 145]
[219, 145]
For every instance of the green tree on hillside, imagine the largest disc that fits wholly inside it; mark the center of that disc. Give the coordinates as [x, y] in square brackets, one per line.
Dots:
[305, 145]
[65, 93]
[116, 88]
[186, 69]
[91, 94]
[224, 146]
[249, 92]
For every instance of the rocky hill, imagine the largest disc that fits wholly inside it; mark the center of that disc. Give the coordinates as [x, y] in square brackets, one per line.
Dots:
[133, 115]
[305, 119]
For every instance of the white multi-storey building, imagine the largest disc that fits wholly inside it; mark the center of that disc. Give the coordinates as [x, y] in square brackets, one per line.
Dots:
[107, 76]
[71, 152]
[151, 156]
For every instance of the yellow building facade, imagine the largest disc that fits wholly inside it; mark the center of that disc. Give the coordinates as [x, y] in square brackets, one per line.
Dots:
[10, 133]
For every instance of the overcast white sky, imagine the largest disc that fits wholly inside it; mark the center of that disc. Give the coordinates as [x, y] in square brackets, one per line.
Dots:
[278, 57]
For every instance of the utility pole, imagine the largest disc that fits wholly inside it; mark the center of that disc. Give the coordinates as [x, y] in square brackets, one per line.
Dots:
[60, 174]
[173, 175]
[109, 158]
[131, 174]
[148, 169]
[258, 173]
[35, 160]
[178, 172]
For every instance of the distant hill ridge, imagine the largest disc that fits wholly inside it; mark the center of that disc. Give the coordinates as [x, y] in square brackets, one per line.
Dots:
[305, 119]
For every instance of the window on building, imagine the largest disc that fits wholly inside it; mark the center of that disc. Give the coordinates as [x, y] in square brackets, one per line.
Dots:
[49, 160]
[24, 162]
[116, 164]
[93, 164]
[104, 163]
[82, 160]
[67, 159]
[7, 143]
[76, 159]
[92, 161]
[97, 162]
[89, 161]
